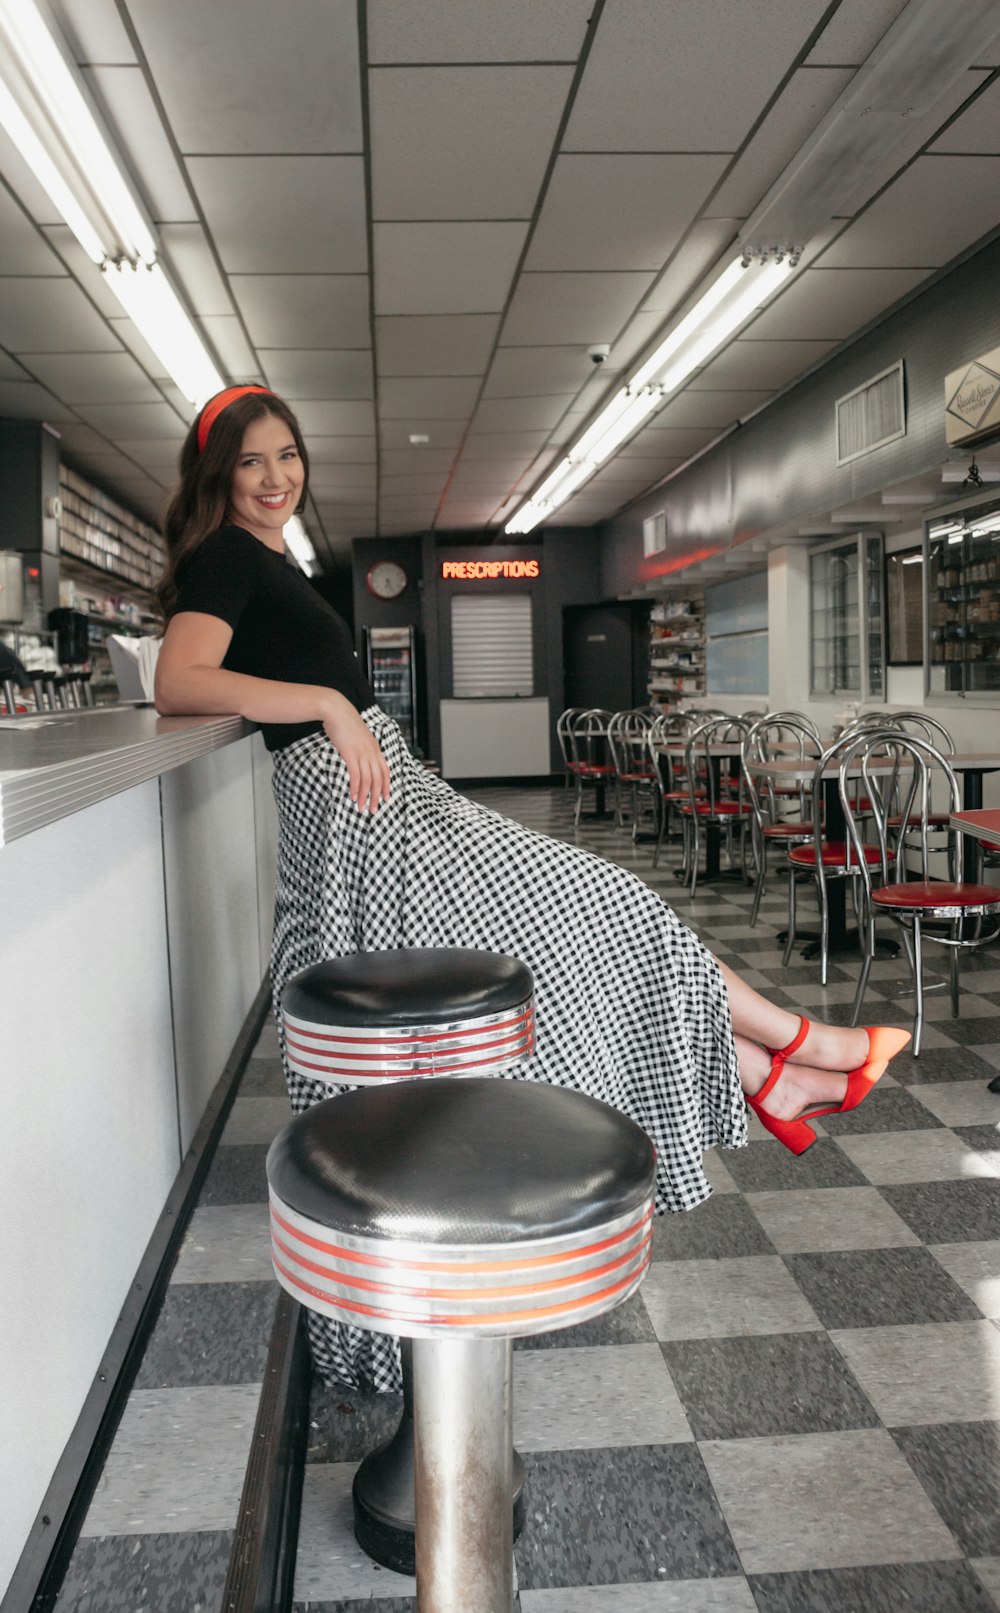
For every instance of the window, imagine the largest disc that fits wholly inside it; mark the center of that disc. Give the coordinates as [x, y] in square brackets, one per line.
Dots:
[904, 598]
[491, 646]
[846, 618]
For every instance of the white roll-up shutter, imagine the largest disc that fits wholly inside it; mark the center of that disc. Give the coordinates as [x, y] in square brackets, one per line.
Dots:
[491, 646]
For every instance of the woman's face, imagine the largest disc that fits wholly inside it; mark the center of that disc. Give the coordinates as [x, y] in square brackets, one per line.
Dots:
[267, 482]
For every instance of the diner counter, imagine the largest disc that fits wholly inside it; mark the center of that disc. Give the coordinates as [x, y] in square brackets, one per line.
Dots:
[57, 763]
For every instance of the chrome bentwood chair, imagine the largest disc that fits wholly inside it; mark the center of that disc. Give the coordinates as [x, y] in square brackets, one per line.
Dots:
[716, 796]
[947, 904]
[635, 777]
[783, 736]
[588, 734]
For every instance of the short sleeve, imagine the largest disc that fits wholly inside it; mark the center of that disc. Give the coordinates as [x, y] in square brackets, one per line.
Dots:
[220, 578]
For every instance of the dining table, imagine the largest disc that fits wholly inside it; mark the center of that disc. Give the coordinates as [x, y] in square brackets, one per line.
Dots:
[728, 750]
[981, 824]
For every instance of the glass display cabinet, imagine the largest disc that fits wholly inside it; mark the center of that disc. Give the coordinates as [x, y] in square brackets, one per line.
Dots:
[963, 602]
[847, 618]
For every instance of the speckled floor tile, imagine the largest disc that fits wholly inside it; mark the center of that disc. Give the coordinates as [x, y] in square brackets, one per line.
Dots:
[381, 1604]
[879, 1288]
[830, 1218]
[266, 1045]
[787, 1383]
[164, 1573]
[916, 1156]
[683, 1596]
[569, 1399]
[605, 1517]
[931, 1373]
[714, 1165]
[767, 1167]
[983, 1140]
[888, 1108]
[263, 1078]
[717, 1228]
[976, 1268]
[330, 1564]
[937, 1008]
[897, 1588]
[959, 1466]
[961, 1103]
[945, 1212]
[236, 1176]
[938, 1064]
[987, 1571]
[209, 1333]
[256, 1120]
[969, 1029]
[701, 1299]
[345, 1424]
[627, 1324]
[177, 1462]
[226, 1243]
[824, 1501]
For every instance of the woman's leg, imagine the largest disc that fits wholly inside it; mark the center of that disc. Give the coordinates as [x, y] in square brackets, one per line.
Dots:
[826, 1047]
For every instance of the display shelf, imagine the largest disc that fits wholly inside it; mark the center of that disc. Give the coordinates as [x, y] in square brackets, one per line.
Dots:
[963, 608]
[97, 530]
[676, 651]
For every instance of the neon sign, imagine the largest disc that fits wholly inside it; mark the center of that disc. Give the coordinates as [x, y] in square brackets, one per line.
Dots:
[479, 570]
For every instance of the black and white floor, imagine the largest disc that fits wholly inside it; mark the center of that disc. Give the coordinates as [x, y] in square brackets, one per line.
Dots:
[798, 1413]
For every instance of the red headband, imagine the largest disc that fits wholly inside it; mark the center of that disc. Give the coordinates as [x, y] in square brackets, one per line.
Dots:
[215, 406]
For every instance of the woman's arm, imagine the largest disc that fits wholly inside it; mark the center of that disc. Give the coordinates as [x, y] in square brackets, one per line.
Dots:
[191, 680]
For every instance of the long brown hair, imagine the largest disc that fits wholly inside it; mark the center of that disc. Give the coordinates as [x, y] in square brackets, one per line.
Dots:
[198, 506]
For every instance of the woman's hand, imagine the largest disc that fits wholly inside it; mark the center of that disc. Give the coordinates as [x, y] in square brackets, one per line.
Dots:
[367, 768]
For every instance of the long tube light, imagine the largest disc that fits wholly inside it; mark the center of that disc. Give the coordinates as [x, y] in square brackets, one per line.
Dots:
[741, 289]
[47, 114]
[298, 542]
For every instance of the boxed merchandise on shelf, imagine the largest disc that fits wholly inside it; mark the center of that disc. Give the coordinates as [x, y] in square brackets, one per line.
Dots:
[676, 650]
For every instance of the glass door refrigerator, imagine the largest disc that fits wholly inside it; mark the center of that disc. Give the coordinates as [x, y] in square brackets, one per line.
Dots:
[392, 672]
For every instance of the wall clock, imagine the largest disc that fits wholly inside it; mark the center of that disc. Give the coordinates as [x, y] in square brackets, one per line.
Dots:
[386, 579]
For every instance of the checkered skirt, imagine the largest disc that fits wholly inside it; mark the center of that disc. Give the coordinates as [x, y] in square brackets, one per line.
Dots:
[631, 1008]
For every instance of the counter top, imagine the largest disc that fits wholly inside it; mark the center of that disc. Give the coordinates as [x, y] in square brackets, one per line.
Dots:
[60, 762]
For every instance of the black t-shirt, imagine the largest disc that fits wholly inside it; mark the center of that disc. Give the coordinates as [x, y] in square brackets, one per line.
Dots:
[282, 628]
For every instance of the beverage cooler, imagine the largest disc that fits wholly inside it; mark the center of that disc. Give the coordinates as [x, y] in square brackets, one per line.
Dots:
[391, 655]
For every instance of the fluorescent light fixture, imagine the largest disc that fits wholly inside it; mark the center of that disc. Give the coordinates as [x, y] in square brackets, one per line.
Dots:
[724, 307]
[298, 544]
[945, 527]
[46, 112]
[957, 538]
[914, 560]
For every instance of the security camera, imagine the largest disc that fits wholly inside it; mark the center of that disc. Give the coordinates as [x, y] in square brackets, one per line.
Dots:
[599, 353]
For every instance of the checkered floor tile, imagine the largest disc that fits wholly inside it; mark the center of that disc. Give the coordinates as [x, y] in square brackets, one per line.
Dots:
[798, 1413]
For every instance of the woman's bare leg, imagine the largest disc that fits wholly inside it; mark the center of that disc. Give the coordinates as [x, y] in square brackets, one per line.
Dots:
[826, 1047]
[800, 1088]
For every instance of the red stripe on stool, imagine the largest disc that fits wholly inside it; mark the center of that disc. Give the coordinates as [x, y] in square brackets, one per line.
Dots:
[305, 1027]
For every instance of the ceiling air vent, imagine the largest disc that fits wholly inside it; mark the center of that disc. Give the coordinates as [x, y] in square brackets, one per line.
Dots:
[871, 415]
[654, 533]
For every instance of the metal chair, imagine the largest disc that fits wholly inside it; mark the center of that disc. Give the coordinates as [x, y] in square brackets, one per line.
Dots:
[588, 734]
[668, 732]
[782, 735]
[564, 726]
[714, 801]
[914, 903]
[628, 733]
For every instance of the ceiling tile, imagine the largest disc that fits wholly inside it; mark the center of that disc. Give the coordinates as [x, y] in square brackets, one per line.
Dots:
[285, 215]
[23, 249]
[668, 441]
[571, 308]
[435, 344]
[26, 400]
[11, 370]
[705, 244]
[521, 414]
[502, 444]
[153, 453]
[524, 372]
[51, 316]
[640, 334]
[932, 212]
[321, 374]
[93, 377]
[402, 461]
[445, 268]
[665, 75]
[19, 178]
[135, 125]
[304, 310]
[341, 450]
[978, 129]
[216, 70]
[831, 304]
[710, 408]
[225, 336]
[189, 255]
[444, 397]
[75, 437]
[462, 142]
[476, 30]
[132, 420]
[84, 270]
[851, 36]
[802, 104]
[94, 30]
[140, 349]
[442, 433]
[327, 478]
[619, 211]
[416, 483]
[759, 364]
[334, 419]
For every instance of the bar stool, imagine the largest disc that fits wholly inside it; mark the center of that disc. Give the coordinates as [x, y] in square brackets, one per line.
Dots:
[379, 1017]
[462, 1214]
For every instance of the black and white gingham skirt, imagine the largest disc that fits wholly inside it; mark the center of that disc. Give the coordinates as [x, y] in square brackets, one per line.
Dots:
[631, 1008]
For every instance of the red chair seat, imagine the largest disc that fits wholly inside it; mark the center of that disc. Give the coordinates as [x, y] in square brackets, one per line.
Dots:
[596, 769]
[683, 795]
[780, 831]
[917, 893]
[935, 820]
[635, 778]
[722, 809]
[834, 853]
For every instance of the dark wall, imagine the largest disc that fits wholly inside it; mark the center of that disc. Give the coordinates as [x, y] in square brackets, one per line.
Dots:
[29, 474]
[569, 575]
[781, 466]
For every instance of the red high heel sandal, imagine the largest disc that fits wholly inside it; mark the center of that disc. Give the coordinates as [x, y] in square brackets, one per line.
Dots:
[884, 1042]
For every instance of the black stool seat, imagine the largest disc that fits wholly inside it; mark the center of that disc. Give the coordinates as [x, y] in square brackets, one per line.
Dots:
[472, 1207]
[388, 1016]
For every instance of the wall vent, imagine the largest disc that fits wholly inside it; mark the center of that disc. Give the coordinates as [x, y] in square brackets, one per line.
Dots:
[871, 415]
[654, 533]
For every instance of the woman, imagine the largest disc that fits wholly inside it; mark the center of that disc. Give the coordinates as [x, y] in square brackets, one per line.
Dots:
[376, 853]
